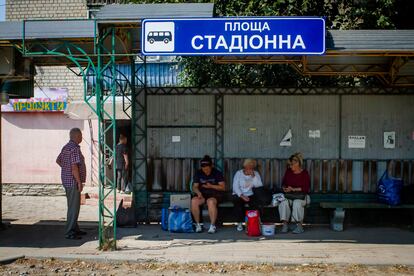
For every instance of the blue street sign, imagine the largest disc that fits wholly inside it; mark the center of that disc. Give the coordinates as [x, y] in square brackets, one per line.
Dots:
[234, 36]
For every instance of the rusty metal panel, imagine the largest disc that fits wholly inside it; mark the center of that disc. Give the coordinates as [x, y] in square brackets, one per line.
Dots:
[179, 110]
[371, 116]
[194, 142]
[255, 125]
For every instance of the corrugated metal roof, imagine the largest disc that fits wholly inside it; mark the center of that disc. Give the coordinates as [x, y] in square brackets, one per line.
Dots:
[375, 40]
[338, 40]
[47, 29]
[142, 11]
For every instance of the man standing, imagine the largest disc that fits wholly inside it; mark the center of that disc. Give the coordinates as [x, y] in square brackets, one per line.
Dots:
[121, 158]
[73, 175]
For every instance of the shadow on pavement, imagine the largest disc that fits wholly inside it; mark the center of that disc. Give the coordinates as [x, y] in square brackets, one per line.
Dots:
[50, 234]
[228, 234]
[44, 234]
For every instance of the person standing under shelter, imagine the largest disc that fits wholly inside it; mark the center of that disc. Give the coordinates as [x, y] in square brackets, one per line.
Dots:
[122, 163]
[73, 176]
[208, 187]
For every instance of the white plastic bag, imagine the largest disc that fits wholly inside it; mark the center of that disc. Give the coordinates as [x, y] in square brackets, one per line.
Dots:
[277, 198]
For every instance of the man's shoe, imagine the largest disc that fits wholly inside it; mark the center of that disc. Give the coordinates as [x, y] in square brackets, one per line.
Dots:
[73, 237]
[298, 230]
[239, 227]
[212, 229]
[198, 228]
[285, 229]
[81, 233]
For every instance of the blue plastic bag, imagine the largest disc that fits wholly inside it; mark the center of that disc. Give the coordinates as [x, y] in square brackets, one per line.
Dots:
[389, 189]
[164, 219]
[180, 221]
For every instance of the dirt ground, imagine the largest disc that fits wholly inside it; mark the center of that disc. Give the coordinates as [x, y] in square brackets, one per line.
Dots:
[58, 267]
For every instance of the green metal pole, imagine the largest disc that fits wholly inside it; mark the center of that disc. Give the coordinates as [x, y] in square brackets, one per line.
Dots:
[98, 92]
[113, 91]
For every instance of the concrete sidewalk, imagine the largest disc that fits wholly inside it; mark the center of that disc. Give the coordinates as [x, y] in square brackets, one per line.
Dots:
[36, 225]
[371, 246]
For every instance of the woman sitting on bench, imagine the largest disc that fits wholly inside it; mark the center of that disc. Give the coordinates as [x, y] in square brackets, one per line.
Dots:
[243, 183]
[296, 186]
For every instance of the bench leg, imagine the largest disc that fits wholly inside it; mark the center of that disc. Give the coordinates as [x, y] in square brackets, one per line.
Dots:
[337, 219]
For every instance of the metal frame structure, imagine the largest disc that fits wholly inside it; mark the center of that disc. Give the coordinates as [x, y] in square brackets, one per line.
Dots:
[219, 131]
[139, 139]
[387, 67]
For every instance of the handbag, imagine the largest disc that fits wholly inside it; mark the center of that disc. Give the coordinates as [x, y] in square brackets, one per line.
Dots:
[262, 195]
[180, 221]
[389, 189]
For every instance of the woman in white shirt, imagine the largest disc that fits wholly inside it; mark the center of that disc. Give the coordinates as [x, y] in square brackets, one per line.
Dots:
[243, 183]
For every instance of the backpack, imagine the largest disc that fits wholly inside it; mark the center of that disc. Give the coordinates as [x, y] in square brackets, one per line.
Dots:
[253, 223]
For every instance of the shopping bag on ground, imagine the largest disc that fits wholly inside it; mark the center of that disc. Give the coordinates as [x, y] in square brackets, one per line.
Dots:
[253, 223]
[125, 216]
[164, 219]
[180, 221]
[389, 189]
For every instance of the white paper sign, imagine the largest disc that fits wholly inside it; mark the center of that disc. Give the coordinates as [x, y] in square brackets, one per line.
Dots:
[389, 140]
[287, 139]
[176, 139]
[315, 133]
[356, 142]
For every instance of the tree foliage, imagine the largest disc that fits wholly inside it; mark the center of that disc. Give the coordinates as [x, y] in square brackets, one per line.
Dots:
[339, 14]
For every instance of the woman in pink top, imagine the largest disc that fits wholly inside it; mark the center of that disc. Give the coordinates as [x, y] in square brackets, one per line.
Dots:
[296, 182]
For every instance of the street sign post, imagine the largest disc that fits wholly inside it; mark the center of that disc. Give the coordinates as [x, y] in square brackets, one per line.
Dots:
[234, 36]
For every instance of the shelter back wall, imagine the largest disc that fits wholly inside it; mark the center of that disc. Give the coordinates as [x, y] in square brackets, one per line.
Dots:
[255, 124]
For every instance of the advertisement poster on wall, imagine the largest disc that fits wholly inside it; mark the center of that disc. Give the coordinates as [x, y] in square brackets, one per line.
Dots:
[45, 100]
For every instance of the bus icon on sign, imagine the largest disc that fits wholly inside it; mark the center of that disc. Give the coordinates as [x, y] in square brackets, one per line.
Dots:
[159, 36]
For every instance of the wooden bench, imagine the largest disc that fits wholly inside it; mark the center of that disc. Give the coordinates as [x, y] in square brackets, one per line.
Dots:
[338, 214]
[332, 180]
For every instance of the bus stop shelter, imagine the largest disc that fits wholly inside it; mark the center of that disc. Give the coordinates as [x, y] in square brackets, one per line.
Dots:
[94, 49]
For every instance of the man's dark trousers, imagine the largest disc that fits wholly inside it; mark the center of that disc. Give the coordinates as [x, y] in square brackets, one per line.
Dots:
[73, 200]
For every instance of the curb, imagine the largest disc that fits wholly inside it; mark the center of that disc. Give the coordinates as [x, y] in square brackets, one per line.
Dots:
[9, 260]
